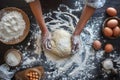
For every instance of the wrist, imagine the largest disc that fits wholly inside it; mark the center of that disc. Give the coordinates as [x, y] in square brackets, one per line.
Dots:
[44, 31]
[76, 32]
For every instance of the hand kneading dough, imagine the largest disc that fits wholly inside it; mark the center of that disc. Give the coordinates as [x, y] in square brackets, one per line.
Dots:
[61, 43]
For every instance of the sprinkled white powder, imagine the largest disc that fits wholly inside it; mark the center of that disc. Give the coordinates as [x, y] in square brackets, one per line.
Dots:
[86, 53]
[28, 1]
[81, 65]
[12, 59]
[108, 64]
[12, 26]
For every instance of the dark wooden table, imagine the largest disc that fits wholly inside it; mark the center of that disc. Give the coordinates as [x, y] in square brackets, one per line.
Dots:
[51, 5]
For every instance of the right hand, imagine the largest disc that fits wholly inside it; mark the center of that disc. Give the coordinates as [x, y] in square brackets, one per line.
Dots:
[46, 40]
[75, 43]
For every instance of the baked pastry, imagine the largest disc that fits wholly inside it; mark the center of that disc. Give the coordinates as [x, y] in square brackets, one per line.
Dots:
[14, 25]
[35, 73]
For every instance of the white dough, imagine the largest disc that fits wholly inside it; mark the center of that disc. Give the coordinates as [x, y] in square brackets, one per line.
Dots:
[61, 43]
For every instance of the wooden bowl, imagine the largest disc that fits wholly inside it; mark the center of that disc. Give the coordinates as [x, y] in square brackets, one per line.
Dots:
[105, 25]
[26, 30]
[22, 75]
[17, 53]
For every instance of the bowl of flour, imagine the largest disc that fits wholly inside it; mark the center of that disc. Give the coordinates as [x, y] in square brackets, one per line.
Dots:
[13, 57]
[14, 25]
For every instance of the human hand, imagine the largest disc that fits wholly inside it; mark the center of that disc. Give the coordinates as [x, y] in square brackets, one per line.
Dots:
[46, 40]
[75, 43]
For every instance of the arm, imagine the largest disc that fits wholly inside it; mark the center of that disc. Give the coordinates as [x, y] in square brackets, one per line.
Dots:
[37, 11]
[87, 12]
[85, 16]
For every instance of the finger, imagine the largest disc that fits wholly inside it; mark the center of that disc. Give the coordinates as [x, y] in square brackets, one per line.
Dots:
[75, 48]
[43, 46]
[48, 44]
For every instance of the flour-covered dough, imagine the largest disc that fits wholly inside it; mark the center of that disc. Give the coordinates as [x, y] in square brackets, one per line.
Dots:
[61, 43]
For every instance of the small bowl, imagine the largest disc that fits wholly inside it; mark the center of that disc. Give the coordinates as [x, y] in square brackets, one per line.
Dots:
[23, 75]
[105, 25]
[16, 53]
[26, 30]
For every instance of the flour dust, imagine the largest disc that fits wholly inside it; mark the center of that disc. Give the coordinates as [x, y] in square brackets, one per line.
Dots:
[80, 66]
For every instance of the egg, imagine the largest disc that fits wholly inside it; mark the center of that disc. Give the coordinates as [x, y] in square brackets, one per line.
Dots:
[116, 31]
[96, 44]
[108, 48]
[107, 32]
[111, 11]
[112, 23]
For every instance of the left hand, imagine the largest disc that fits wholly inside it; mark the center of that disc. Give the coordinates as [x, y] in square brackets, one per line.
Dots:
[75, 43]
[46, 40]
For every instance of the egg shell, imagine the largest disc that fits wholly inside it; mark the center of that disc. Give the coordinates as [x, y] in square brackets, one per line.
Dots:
[116, 31]
[111, 11]
[107, 32]
[96, 44]
[112, 23]
[108, 48]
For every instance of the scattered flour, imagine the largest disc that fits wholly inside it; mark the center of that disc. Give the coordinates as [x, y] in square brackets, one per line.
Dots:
[28, 1]
[12, 26]
[81, 65]
[78, 67]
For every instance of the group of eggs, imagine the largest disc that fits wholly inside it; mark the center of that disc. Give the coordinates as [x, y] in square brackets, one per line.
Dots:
[111, 26]
[33, 75]
[111, 29]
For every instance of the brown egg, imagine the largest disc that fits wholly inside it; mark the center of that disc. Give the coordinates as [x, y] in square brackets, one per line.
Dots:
[107, 32]
[116, 31]
[112, 23]
[96, 44]
[111, 11]
[108, 48]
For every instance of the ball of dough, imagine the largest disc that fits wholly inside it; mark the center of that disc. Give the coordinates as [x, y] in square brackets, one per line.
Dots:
[61, 43]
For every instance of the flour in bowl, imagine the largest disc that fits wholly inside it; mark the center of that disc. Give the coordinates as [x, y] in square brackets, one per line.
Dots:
[12, 26]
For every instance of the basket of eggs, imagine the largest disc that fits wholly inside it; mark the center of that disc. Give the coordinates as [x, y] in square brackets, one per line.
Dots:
[111, 25]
